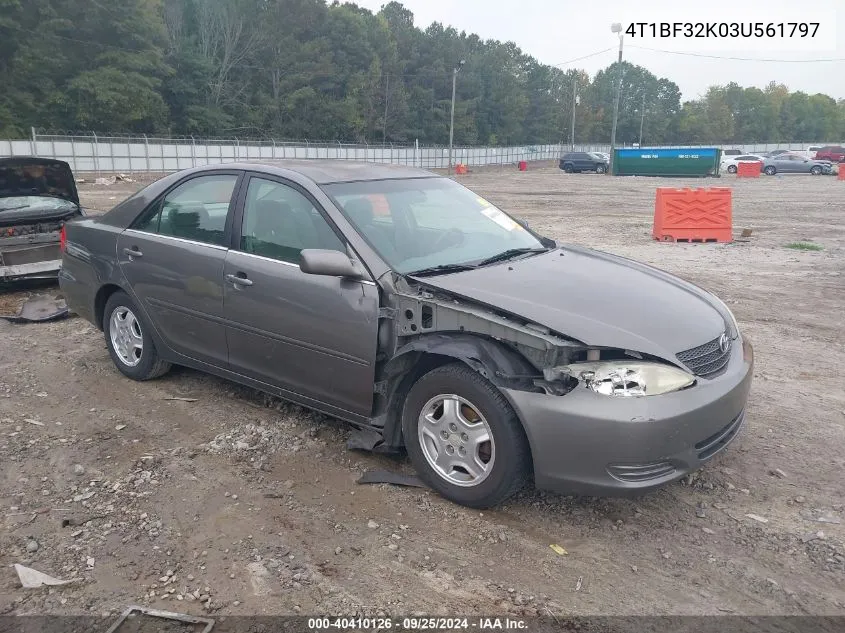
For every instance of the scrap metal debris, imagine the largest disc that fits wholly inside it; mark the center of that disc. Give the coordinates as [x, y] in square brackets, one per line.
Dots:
[557, 549]
[180, 399]
[133, 612]
[110, 180]
[364, 439]
[388, 477]
[39, 308]
[32, 578]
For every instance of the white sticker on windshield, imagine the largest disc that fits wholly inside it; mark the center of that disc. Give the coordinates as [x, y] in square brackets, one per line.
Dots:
[500, 218]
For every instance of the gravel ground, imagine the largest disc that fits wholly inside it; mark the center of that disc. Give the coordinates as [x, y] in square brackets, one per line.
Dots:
[232, 502]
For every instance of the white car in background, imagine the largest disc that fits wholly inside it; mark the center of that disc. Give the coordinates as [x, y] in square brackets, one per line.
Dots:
[729, 163]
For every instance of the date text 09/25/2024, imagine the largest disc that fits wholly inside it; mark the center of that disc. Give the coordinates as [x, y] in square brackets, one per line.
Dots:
[417, 624]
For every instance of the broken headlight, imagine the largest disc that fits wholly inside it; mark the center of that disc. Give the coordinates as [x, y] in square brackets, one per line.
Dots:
[623, 378]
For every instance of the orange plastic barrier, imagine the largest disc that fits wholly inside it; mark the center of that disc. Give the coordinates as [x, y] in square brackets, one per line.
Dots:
[749, 170]
[460, 168]
[693, 215]
[841, 171]
[523, 165]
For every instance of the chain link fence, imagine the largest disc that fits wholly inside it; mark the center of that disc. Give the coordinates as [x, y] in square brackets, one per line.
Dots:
[127, 154]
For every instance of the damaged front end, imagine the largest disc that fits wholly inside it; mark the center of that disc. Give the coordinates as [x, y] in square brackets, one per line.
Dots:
[419, 325]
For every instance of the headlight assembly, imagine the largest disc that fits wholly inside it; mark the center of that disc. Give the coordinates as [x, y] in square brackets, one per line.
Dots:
[631, 379]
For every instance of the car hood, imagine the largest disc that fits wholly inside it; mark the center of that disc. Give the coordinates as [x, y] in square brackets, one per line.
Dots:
[599, 299]
[30, 176]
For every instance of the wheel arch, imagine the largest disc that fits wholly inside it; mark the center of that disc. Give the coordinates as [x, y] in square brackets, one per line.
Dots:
[101, 299]
[492, 360]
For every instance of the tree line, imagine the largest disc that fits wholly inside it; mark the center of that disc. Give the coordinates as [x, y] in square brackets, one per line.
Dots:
[304, 69]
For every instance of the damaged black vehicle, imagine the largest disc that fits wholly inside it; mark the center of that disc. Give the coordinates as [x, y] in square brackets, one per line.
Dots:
[37, 196]
[409, 306]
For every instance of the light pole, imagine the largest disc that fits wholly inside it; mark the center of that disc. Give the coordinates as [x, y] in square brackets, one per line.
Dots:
[574, 103]
[616, 27]
[452, 117]
[642, 120]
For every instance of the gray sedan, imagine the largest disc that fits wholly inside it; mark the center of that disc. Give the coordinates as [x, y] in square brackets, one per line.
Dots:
[411, 307]
[789, 163]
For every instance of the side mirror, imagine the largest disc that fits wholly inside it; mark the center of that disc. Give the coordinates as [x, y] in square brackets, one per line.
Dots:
[328, 263]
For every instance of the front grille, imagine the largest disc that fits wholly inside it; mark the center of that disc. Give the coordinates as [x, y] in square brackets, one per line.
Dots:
[708, 359]
[639, 473]
[719, 440]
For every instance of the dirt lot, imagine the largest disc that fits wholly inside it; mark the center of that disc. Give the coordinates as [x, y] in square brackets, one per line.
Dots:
[236, 503]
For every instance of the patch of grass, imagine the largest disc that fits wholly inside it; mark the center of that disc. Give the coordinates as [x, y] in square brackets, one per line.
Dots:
[804, 246]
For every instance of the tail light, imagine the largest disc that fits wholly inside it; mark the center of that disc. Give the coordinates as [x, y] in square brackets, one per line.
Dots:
[62, 239]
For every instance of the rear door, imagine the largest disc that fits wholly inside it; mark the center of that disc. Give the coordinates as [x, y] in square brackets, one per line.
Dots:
[308, 334]
[173, 259]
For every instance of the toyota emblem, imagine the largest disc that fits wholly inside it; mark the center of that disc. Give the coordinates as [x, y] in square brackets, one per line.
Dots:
[724, 342]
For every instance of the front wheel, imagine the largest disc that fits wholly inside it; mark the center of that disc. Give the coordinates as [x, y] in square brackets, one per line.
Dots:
[127, 336]
[731, 169]
[600, 169]
[770, 170]
[816, 170]
[568, 168]
[464, 438]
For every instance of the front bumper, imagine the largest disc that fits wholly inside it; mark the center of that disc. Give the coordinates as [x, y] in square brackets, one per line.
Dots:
[30, 257]
[588, 444]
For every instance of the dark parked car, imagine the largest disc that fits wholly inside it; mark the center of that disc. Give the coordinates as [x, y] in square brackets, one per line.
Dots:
[575, 162]
[795, 164]
[406, 304]
[37, 196]
[833, 153]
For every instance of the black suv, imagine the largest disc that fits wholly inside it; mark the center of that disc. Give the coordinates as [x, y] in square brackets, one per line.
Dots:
[574, 162]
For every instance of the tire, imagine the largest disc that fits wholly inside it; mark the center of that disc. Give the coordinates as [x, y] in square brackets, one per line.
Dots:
[816, 170]
[770, 170]
[137, 358]
[600, 169]
[568, 168]
[731, 169]
[502, 465]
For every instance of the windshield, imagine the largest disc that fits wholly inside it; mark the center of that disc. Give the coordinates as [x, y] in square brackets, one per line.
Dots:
[35, 203]
[420, 223]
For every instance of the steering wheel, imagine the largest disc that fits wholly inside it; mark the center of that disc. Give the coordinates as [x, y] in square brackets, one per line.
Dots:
[441, 242]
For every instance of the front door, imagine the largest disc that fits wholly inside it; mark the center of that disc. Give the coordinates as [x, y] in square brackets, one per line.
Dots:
[308, 334]
[173, 259]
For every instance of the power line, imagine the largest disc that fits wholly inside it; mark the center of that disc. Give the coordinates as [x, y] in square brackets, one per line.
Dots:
[739, 59]
[578, 59]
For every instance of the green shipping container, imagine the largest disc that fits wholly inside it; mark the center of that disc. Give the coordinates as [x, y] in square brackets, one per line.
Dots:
[686, 161]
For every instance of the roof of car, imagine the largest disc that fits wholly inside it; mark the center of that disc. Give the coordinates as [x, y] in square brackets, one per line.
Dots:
[323, 171]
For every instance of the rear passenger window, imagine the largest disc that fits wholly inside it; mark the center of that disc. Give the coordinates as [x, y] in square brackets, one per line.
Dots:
[279, 222]
[195, 210]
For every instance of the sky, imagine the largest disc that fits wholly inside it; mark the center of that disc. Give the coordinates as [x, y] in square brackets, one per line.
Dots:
[557, 31]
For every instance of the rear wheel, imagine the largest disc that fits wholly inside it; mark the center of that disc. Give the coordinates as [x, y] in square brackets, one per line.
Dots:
[770, 170]
[464, 438]
[600, 169]
[127, 336]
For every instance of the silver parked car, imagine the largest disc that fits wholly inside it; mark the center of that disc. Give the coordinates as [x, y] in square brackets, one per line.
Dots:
[793, 163]
[411, 307]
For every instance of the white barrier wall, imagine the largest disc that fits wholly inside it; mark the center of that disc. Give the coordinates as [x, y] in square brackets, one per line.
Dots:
[140, 154]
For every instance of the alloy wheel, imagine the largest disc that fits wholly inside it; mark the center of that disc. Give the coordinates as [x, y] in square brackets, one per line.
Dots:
[126, 337]
[456, 440]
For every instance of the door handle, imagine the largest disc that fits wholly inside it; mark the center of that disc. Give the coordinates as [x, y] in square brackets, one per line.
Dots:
[239, 280]
[133, 252]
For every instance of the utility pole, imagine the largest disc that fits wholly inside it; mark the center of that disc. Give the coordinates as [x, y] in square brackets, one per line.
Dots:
[642, 120]
[452, 118]
[386, 101]
[574, 102]
[616, 27]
